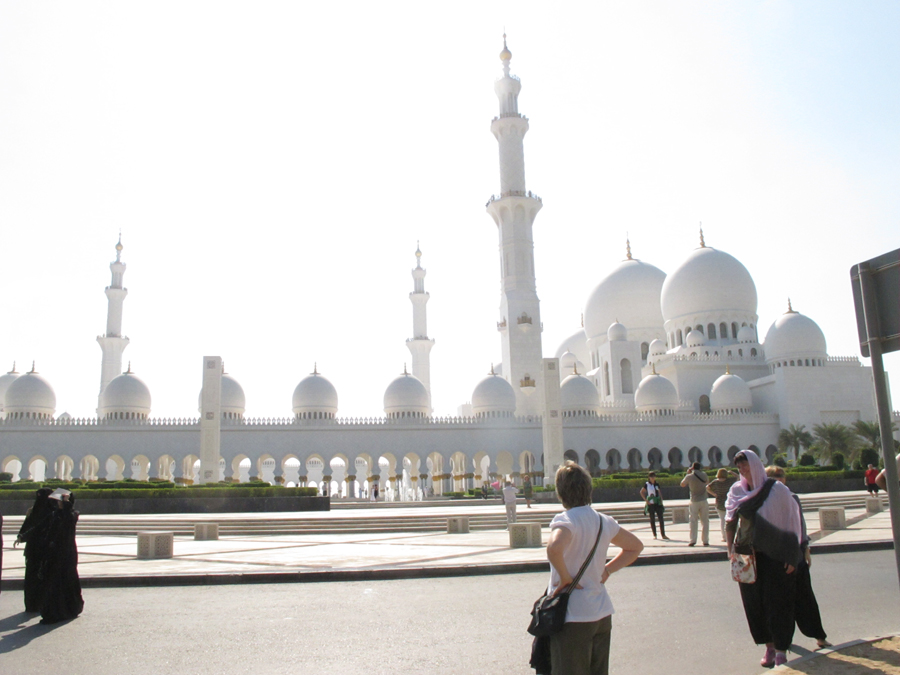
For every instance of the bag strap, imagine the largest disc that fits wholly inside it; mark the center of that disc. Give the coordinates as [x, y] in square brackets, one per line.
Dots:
[587, 561]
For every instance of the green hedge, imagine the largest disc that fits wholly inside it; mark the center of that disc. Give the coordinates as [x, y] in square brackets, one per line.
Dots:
[171, 492]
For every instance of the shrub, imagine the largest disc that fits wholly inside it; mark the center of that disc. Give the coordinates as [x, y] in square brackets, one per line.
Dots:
[868, 456]
[780, 460]
[837, 460]
[807, 459]
[5, 477]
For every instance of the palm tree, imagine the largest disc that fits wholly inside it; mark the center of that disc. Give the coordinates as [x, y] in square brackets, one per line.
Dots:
[796, 437]
[870, 433]
[835, 437]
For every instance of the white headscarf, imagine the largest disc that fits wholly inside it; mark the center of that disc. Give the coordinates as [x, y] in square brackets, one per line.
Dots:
[779, 509]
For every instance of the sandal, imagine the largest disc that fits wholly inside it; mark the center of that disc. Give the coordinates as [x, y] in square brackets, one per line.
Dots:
[769, 659]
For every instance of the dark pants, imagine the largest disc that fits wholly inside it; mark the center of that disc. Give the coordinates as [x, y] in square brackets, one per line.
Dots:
[769, 603]
[656, 511]
[806, 609]
[582, 648]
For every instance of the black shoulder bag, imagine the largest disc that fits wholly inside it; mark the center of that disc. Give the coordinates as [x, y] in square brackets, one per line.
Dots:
[548, 616]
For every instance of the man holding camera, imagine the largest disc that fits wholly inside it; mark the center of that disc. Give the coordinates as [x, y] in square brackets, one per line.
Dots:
[696, 481]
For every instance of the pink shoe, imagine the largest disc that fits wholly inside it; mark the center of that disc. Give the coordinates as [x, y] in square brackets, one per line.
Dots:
[780, 659]
[769, 659]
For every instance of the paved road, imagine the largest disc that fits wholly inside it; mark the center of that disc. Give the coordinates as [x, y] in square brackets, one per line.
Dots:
[672, 620]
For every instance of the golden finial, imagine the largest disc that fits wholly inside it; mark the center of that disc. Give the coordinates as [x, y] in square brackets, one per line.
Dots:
[582, 319]
[505, 55]
[315, 368]
[33, 371]
[119, 247]
[404, 368]
[418, 249]
[702, 241]
[492, 369]
[13, 371]
[727, 369]
[628, 247]
[575, 368]
[653, 369]
[790, 309]
[128, 372]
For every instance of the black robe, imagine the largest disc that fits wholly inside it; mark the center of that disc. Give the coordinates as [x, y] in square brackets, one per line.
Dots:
[62, 597]
[34, 533]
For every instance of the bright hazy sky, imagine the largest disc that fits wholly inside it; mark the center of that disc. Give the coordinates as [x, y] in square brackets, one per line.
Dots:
[272, 164]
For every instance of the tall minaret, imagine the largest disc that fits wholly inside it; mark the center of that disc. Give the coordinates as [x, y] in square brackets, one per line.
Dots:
[514, 211]
[113, 343]
[419, 344]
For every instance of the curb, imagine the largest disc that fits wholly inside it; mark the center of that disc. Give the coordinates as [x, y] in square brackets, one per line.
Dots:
[393, 573]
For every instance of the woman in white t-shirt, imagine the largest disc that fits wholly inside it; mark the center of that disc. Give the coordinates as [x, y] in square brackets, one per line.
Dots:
[582, 647]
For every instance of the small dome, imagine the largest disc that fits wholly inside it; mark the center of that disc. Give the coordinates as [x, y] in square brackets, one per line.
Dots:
[746, 335]
[616, 332]
[630, 294]
[125, 395]
[494, 397]
[315, 397]
[577, 394]
[406, 396]
[655, 394]
[5, 381]
[657, 348]
[730, 394]
[695, 339]
[708, 281]
[30, 395]
[577, 344]
[233, 402]
[568, 362]
[794, 335]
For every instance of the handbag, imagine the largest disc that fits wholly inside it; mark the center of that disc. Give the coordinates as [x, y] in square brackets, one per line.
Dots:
[743, 568]
[548, 616]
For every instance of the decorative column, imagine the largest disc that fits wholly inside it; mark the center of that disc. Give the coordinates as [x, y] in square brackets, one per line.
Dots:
[211, 419]
[113, 343]
[514, 211]
[419, 344]
[551, 422]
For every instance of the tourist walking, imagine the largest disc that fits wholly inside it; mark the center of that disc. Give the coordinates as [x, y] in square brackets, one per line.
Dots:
[718, 488]
[653, 504]
[806, 607]
[582, 646]
[34, 533]
[509, 498]
[871, 477]
[59, 573]
[527, 490]
[763, 520]
[696, 481]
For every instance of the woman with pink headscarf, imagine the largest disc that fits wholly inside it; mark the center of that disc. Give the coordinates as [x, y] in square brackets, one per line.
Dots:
[774, 536]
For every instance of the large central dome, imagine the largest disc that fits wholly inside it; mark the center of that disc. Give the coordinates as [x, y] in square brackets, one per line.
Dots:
[628, 295]
[708, 281]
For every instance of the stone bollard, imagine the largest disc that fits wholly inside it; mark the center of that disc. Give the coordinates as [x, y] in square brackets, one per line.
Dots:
[832, 518]
[155, 545]
[458, 525]
[873, 505]
[206, 531]
[525, 535]
[681, 514]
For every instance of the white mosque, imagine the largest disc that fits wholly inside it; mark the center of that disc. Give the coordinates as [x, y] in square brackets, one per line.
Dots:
[667, 369]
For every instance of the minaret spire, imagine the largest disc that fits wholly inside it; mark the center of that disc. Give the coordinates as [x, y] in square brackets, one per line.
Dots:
[113, 343]
[628, 248]
[514, 211]
[419, 344]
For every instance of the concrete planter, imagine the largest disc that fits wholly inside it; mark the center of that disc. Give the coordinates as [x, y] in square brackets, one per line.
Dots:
[235, 504]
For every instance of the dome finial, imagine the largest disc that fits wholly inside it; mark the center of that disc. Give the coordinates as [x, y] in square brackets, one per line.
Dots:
[128, 372]
[582, 319]
[575, 368]
[32, 371]
[492, 370]
[404, 368]
[628, 247]
[727, 369]
[315, 368]
[119, 247]
[13, 371]
[653, 369]
[702, 241]
[790, 309]
[505, 55]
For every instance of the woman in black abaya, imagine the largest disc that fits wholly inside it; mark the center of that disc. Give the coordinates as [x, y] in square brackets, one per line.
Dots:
[62, 597]
[34, 533]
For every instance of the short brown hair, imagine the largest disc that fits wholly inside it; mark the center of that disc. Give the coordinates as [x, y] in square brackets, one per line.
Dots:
[573, 485]
[774, 472]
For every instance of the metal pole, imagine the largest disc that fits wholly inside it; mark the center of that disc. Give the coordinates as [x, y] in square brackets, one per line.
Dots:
[867, 287]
